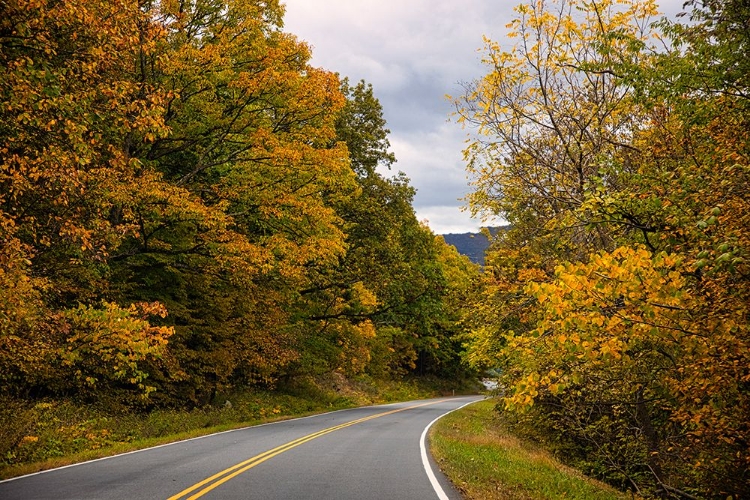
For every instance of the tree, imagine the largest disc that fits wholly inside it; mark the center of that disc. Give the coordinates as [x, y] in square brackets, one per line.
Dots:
[179, 152]
[251, 150]
[70, 103]
[617, 304]
[552, 119]
[387, 308]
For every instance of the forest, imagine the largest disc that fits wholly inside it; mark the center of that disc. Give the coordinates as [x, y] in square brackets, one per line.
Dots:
[616, 144]
[189, 207]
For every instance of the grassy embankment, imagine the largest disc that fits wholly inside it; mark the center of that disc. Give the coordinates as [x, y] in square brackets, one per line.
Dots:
[486, 462]
[52, 433]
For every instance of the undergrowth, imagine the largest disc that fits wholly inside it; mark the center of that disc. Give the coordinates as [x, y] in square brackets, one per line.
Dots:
[487, 462]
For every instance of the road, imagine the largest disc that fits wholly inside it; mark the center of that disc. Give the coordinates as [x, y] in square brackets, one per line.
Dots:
[374, 452]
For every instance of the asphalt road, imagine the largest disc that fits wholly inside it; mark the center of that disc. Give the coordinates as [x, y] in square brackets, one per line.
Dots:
[375, 452]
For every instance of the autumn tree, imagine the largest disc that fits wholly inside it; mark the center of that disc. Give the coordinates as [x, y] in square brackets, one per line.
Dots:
[180, 153]
[70, 104]
[385, 308]
[550, 121]
[617, 304]
[251, 149]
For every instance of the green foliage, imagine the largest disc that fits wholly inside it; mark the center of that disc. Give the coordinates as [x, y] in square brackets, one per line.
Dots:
[361, 127]
[390, 307]
[109, 343]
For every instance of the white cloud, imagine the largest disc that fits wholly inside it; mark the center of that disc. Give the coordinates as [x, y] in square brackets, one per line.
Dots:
[433, 161]
[446, 220]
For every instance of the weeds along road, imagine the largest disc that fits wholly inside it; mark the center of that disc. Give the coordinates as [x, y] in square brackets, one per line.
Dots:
[375, 452]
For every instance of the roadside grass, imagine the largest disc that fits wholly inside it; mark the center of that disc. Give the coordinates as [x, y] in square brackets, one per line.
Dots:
[53, 433]
[486, 462]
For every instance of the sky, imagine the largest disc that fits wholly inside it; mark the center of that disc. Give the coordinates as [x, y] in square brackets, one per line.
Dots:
[414, 53]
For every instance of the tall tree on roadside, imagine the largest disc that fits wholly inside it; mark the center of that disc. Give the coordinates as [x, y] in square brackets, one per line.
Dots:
[627, 337]
[71, 103]
[386, 307]
[252, 126]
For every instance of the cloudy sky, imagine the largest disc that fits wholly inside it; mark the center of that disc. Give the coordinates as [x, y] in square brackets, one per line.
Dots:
[413, 52]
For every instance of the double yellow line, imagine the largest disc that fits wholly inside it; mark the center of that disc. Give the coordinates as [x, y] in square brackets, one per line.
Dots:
[222, 477]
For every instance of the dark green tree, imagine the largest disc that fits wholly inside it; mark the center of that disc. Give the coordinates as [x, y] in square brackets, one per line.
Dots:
[407, 325]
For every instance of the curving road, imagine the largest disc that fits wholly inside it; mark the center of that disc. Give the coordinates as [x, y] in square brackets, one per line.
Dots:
[376, 452]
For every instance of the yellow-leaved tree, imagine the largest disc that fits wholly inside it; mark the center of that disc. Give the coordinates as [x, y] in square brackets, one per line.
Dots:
[254, 177]
[70, 104]
[616, 304]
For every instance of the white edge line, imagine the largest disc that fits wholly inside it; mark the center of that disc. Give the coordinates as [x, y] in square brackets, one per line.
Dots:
[426, 461]
[191, 439]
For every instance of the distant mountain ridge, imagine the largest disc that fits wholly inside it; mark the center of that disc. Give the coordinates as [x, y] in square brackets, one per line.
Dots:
[472, 245]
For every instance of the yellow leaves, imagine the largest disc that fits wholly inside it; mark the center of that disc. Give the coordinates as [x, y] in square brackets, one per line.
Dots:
[108, 343]
[532, 385]
[599, 313]
[364, 296]
[28, 440]
[367, 330]
[549, 108]
[531, 274]
[613, 348]
[525, 391]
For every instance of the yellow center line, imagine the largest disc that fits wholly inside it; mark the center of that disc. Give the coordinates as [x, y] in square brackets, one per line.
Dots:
[222, 477]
